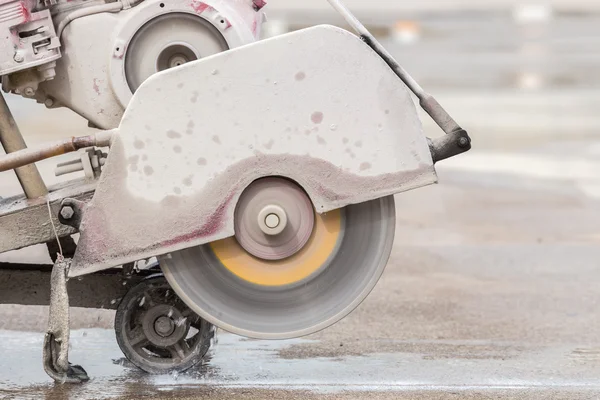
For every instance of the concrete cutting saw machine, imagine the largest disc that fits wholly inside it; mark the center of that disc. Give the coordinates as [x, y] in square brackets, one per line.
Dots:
[232, 182]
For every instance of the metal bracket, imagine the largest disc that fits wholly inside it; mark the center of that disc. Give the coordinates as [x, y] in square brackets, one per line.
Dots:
[449, 145]
[90, 161]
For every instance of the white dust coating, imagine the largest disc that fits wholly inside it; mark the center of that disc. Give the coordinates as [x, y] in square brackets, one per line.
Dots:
[237, 126]
[228, 117]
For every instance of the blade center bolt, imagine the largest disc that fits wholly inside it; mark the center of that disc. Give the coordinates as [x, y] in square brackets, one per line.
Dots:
[272, 220]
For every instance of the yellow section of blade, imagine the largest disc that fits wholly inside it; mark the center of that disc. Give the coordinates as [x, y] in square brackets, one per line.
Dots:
[322, 244]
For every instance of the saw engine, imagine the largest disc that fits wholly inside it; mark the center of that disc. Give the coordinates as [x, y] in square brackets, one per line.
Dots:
[91, 56]
[259, 173]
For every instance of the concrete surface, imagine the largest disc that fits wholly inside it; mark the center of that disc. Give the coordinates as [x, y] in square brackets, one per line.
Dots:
[491, 291]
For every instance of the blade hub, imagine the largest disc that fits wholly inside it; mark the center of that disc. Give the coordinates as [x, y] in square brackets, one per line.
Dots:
[274, 219]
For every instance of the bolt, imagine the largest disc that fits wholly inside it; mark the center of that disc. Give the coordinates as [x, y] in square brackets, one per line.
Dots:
[18, 58]
[463, 142]
[67, 212]
[164, 326]
[29, 91]
[272, 221]
[48, 102]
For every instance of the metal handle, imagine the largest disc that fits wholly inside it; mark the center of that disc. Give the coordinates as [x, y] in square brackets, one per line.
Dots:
[458, 141]
[30, 156]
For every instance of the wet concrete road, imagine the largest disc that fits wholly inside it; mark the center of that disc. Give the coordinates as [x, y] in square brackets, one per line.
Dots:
[491, 290]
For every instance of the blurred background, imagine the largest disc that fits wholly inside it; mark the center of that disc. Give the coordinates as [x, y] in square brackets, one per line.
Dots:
[523, 76]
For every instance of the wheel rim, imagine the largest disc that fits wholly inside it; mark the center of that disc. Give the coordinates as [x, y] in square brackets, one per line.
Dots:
[157, 331]
[336, 287]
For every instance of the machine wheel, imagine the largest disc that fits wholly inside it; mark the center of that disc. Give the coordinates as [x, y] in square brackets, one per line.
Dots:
[157, 332]
[289, 271]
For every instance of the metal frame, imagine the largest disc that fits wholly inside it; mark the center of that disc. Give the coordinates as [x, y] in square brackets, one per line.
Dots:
[27, 285]
[25, 222]
[12, 141]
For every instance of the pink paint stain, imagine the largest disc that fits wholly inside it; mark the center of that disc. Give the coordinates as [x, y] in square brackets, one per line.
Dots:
[317, 117]
[25, 12]
[254, 27]
[96, 87]
[200, 6]
[210, 228]
[15, 39]
[259, 4]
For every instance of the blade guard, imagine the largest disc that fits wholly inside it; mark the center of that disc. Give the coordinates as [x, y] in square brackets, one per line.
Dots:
[317, 106]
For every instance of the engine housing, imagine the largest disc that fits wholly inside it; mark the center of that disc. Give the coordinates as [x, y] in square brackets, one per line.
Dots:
[98, 51]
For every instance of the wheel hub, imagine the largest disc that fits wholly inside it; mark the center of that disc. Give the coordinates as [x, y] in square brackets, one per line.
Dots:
[272, 220]
[161, 327]
[164, 326]
[175, 55]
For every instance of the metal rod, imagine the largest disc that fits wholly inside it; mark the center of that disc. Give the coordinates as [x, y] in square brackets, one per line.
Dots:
[29, 156]
[69, 169]
[12, 141]
[427, 101]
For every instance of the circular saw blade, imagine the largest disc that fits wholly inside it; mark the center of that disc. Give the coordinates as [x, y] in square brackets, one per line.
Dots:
[283, 312]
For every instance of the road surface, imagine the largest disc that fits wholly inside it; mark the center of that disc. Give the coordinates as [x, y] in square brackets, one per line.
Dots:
[491, 289]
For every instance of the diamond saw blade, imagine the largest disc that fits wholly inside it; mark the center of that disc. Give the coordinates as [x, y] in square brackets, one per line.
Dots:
[323, 282]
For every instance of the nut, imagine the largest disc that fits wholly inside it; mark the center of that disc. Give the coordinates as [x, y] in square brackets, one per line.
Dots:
[463, 142]
[67, 212]
[29, 91]
[18, 58]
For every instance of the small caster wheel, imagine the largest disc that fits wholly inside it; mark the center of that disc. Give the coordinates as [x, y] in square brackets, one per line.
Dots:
[158, 332]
